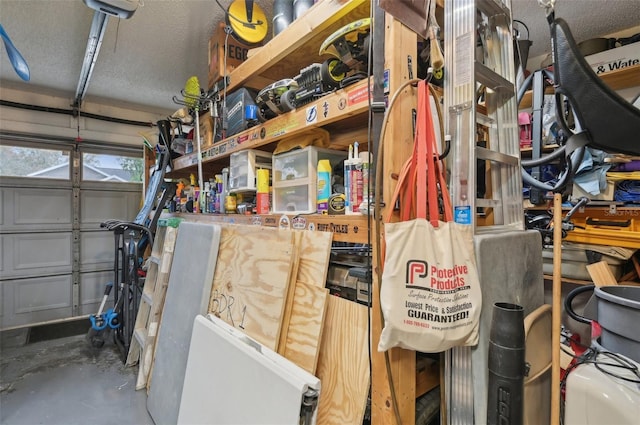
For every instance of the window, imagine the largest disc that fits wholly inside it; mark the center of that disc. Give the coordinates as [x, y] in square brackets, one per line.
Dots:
[17, 161]
[112, 168]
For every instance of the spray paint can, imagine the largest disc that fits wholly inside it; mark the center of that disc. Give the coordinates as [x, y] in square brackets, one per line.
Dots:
[347, 180]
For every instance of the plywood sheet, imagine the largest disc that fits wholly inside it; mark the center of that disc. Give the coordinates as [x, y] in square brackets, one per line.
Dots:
[343, 365]
[304, 332]
[601, 274]
[288, 305]
[251, 280]
[315, 249]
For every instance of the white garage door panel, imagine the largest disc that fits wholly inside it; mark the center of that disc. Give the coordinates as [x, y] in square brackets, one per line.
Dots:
[55, 260]
[47, 253]
[44, 293]
[99, 206]
[98, 250]
[42, 206]
[92, 286]
[36, 300]
[2, 204]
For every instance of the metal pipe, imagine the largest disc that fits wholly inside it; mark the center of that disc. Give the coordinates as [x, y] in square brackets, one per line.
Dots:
[96, 34]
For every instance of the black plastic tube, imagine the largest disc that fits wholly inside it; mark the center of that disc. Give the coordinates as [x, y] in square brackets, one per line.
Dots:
[506, 365]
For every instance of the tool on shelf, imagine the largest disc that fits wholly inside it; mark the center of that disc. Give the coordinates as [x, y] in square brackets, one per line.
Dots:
[193, 98]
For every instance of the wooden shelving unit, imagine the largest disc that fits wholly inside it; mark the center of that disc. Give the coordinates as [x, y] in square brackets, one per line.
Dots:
[345, 228]
[348, 103]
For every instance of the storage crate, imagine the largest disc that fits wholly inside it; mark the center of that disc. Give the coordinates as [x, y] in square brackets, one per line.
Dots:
[243, 166]
[295, 178]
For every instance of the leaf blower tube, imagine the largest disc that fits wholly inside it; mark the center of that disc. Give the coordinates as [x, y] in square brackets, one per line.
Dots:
[506, 365]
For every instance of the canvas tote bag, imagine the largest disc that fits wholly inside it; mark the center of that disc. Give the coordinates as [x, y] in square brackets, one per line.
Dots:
[430, 293]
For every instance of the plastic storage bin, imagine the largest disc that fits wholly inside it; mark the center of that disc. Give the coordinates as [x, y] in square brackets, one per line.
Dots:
[294, 177]
[243, 166]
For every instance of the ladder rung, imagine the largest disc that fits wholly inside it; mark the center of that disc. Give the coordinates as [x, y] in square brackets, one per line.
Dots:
[140, 335]
[483, 119]
[488, 203]
[493, 80]
[493, 8]
[147, 298]
[498, 228]
[499, 157]
[155, 259]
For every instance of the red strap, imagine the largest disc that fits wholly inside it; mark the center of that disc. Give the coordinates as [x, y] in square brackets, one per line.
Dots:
[422, 172]
[422, 151]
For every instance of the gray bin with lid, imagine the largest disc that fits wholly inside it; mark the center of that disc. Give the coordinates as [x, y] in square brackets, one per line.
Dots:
[619, 316]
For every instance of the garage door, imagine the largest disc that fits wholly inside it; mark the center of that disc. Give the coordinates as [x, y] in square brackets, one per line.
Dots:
[54, 259]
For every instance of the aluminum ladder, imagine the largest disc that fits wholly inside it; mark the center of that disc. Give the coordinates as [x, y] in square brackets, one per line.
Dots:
[468, 25]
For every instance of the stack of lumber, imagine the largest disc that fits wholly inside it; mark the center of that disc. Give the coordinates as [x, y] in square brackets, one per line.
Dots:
[270, 283]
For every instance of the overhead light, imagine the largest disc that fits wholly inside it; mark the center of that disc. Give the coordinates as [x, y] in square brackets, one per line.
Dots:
[103, 9]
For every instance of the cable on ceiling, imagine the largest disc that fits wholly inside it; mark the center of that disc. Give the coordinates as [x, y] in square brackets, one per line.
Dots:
[74, 113]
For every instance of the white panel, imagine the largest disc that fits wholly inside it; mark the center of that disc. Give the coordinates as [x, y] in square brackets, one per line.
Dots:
[42, 253]
[92, 286]
[36, 300]
[220, 358]
[2, 261]
[98, 206]
[97, 249]
[42, 206]
[42, 293]
[2, 204]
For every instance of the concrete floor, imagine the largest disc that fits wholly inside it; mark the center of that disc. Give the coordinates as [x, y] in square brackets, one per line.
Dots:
[65, 381]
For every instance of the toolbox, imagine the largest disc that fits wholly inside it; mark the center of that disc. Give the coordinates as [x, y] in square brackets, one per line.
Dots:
[615, 226]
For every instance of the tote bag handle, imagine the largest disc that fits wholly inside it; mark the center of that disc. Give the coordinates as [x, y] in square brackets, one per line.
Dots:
[421, 175]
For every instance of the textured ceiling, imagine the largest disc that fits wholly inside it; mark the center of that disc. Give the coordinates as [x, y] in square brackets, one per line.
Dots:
[146, 59]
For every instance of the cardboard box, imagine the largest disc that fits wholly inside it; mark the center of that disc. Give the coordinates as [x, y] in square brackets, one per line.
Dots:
[614, 59]
[237, 54]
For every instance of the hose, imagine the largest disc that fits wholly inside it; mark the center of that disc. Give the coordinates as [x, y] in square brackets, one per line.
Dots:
[568, 301]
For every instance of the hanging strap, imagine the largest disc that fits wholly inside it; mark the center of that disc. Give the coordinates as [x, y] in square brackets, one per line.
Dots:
[421, 175]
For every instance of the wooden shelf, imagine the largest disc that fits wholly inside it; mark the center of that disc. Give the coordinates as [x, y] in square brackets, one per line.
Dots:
[548, 277]
[298, 45]
[345, 228]
[340, 105]
[546, 148]
[616, 80]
